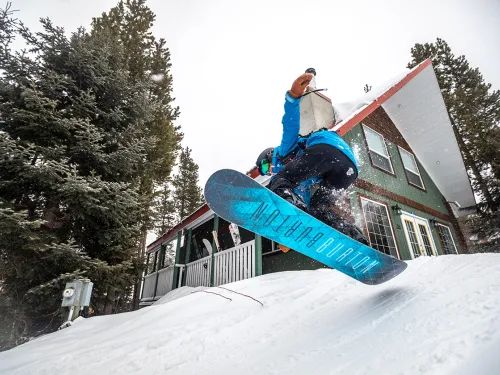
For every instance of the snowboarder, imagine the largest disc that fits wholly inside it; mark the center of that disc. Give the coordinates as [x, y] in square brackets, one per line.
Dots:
[322, 159]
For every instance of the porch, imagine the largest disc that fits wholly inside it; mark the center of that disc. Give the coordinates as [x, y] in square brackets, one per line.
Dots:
[202, 253]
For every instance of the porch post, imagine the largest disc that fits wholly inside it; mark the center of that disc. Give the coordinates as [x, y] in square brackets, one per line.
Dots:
[159, 263]
[258, 255]
[214, 250]
[144, 273]
[188, 251]
[177, 258]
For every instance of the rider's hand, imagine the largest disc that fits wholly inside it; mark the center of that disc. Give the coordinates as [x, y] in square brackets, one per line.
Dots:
[300, 85]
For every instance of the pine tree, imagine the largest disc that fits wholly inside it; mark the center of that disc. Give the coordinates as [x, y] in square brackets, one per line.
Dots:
[164, 210]
[72, 156]
[474, 110]
[187, 196]
[144, 57]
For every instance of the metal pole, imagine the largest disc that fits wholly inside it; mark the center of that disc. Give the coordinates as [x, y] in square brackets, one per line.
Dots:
[70, 315]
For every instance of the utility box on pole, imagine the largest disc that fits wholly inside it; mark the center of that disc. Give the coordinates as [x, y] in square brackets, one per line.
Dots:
[76, 296]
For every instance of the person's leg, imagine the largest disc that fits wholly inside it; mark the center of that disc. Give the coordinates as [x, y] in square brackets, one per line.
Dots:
[315, 161]
[323, 208]
[339, 175]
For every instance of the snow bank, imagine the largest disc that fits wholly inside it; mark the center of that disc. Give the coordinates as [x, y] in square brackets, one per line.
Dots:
[178, 293]
[441, 316]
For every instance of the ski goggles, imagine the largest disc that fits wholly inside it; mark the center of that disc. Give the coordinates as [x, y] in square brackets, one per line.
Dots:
[265, 166]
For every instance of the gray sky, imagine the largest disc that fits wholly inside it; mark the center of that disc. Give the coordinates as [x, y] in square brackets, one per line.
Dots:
[234, 60]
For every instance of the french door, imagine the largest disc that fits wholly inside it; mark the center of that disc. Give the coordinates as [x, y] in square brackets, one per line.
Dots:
[418, 235]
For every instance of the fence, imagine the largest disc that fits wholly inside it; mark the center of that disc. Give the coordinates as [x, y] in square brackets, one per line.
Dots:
[237, 263]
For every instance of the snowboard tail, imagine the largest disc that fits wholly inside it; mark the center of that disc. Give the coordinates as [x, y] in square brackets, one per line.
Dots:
[241, 200]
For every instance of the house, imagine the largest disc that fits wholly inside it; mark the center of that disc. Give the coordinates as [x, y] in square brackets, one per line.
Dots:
[412, 187]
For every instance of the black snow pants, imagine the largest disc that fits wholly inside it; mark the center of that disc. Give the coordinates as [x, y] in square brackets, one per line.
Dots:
[337, 172]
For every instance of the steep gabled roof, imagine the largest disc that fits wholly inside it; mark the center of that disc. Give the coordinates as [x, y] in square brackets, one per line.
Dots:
[416, 106]
[414, 103]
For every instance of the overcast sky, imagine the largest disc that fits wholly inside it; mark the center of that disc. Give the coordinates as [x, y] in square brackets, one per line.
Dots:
[233, 60]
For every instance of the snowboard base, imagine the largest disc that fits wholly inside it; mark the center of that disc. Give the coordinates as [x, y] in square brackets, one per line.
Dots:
[239, 199]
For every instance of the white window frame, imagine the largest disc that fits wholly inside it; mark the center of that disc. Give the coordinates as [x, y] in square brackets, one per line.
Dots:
[388, 216]
[451, 236]
[401, 151]
[388, 156]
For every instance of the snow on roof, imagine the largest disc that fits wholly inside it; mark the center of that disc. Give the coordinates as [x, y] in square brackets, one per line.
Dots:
[347, 110]
[440, 316]
[414, 103]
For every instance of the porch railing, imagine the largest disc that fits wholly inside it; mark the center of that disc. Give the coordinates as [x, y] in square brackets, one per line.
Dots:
[198, 272]
[148, 290]
[237, 263]
[165, 281]
[162, 280]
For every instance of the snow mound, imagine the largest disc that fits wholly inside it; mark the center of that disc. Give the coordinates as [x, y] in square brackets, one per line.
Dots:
[441, 316]
[178, 293]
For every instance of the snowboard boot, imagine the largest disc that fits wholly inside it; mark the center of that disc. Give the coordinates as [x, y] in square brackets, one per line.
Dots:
[284, 248]
[292, 198]
[339, 223]
[355, 233]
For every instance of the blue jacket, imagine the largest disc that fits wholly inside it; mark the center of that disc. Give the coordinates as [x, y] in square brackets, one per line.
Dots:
[291, 139]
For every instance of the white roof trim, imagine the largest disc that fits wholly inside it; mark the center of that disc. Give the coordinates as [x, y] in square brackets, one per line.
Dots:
[419, 112]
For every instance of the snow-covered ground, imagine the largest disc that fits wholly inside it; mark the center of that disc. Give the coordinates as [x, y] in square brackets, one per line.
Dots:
[441, 316]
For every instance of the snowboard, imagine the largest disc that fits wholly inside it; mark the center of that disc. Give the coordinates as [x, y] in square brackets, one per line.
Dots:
[241, 200]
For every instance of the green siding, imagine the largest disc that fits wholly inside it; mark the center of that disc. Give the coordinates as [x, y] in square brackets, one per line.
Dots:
[291, 261]
[258, 255]
[432, 197]
[294, 261]
[397, 224]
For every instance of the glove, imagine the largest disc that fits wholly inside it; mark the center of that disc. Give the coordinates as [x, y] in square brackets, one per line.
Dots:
[300, 85]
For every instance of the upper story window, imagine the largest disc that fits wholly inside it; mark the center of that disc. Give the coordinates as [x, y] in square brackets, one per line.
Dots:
[411, 168]
[378, 150]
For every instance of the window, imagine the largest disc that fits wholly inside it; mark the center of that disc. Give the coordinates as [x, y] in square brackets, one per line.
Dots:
[199, 247]
[151, 262]
[167, 253]
[269, 246]
[379, 227]
[161, 260]
[378, 150]
[446, 239]
[411, 168]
